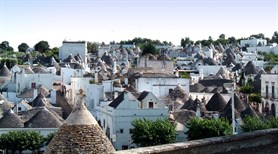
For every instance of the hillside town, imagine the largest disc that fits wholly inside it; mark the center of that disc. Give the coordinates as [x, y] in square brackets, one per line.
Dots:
[78, 90]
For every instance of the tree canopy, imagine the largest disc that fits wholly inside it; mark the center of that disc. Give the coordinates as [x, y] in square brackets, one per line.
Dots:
[23, 47]
[23, 140]
[149, 48]
[149, 133]
[5, 46]
[42, 46]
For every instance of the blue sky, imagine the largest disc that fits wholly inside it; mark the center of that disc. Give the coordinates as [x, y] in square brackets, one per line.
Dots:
[31, 21]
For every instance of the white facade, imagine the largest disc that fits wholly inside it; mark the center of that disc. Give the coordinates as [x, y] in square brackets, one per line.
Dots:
[253, 42]
[94, 92]
[269, 92]
[160, 86]
[207, 70]
[73, 48]
[119, 119]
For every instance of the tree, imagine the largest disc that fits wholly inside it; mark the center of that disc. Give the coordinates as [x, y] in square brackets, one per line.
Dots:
[149, 48]
[203, 128]
[222, 36]
[92, 47]
[149, 133]
[275, 37]
[5, 46]
[258, 36]
[186, 41]
[22, 140]
[10, 62]
[42, 46]
[23, 47]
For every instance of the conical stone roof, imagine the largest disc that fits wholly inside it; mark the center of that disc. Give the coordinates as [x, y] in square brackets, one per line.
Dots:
[216, 103]
[250, 68]
[178, 92]
[80, 134]
[5, 72]
[11, 120]
[239, 105]
[43, 119]
[196, 87]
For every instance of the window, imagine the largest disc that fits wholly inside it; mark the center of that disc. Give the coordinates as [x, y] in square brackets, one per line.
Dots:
[19, 108]
[266, 91]
[103, 123]
[121, 131]
[150, 104]
[272, 91]
[33, 85]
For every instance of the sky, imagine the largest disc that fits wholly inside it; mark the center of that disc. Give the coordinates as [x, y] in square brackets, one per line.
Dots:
[31, 21]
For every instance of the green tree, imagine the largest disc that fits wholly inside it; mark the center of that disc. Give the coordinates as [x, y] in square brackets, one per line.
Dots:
[42, 46]
[275, 37]
[186, 41]
[23, 47]
[5, 46]
[258, 36]
[203, 128]
[222, 36]
[149, 48]
[149, 133]
[92, 47]
[10, 62]
[22, 140]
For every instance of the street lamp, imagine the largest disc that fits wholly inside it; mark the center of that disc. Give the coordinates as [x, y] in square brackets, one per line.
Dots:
[231, 88]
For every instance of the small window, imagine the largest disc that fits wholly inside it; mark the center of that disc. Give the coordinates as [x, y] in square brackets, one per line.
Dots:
[121, 131]
[103, 123]
[33, 85]
[19, 108]
[150, 104]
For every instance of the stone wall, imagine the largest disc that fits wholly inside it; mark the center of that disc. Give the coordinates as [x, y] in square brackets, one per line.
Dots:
[213, 145]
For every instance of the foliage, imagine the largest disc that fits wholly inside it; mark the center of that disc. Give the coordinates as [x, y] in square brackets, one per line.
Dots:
[92, 47]
[184, 75]
[5, 46]
[10, 62]
[247, 89]
[42, 46]
[253, 123]
[204, 128]
[140, 41]
[149, 48]
[23, 47]
[186, 41]
[149, 133]
[255, 97]
[23, 140]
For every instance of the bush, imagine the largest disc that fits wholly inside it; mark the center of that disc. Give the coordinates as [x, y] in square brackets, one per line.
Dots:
[204, 128]
[254, 123]
[149, 133]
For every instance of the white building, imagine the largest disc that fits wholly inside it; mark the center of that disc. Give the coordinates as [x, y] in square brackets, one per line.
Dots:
[115, 118]
[253, 42]
[269, 93]
[73, 48]
[24, 81]
[160, 84]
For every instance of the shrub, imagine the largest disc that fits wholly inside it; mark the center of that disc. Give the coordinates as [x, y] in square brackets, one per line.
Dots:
[204, 128]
